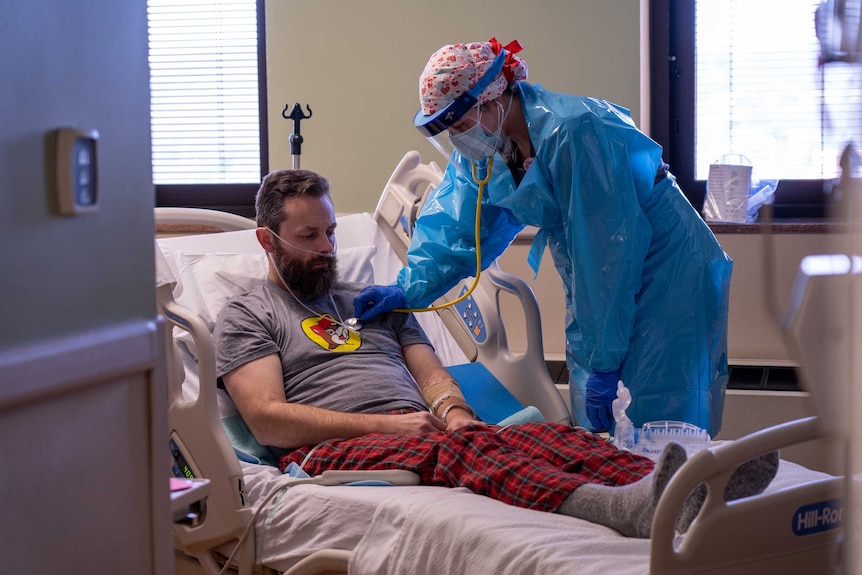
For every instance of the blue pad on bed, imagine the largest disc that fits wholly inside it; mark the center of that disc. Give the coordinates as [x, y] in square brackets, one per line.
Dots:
[295, 471]
[244, 444]
[526, 415]
[490, 398]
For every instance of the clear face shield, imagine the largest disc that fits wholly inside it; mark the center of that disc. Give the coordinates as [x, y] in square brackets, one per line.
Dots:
[477, 135]
[463, 126]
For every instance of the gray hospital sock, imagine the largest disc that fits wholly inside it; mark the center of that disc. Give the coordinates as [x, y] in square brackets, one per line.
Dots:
[628, 508]
[749, 479]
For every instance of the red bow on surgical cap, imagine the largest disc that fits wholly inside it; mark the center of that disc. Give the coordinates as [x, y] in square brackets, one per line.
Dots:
[511, 48]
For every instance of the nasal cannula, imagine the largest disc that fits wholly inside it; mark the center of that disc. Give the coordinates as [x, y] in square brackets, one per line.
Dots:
[354, 324]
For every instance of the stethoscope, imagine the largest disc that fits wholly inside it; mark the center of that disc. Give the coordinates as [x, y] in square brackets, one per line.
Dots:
[355, 325]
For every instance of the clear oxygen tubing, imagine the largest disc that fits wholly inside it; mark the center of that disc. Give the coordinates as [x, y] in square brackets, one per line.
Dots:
[481, 183]
[333, 243]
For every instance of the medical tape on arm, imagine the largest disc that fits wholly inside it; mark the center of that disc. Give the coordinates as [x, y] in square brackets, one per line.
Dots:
[442, 391]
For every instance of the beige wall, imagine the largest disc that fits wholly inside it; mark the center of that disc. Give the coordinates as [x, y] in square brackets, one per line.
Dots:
[357, 64]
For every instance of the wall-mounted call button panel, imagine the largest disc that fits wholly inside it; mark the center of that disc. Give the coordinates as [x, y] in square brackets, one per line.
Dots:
[77, 170]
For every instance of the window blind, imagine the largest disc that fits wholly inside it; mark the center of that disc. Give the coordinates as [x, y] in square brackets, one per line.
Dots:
[204, 91]
[761, 91]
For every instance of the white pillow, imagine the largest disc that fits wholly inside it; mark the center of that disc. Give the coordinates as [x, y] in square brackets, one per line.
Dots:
[355, 264]
[206, 281]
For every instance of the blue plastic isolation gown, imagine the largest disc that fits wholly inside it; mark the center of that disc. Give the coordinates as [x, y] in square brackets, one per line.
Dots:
[646, 282]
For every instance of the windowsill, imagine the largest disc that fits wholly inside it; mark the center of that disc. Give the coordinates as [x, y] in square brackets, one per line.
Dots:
[185, 229]
[780, 227]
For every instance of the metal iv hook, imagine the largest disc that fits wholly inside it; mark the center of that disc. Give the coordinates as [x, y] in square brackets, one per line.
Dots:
[296, 138]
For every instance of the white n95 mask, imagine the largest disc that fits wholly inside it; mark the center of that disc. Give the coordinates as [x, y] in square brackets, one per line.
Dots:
[474, 144]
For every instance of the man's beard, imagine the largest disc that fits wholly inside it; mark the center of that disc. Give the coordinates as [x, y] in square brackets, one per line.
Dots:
[303, 278]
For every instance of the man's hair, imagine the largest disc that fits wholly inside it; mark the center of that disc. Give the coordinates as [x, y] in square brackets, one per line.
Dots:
[281, 184]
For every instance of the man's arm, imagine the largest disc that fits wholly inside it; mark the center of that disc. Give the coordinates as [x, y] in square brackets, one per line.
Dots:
[258, 392]
[440, 391]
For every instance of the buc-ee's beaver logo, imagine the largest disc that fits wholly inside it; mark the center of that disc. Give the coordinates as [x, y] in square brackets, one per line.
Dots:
[330, 334]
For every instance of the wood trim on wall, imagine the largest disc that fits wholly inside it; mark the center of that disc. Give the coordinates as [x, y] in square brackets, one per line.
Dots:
[51, 366]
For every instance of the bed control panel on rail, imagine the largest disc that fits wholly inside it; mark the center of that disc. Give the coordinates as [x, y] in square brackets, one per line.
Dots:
[470, 314]
[180, 466]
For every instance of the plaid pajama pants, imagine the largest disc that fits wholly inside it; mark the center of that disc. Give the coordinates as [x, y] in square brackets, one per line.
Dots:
[532, 465]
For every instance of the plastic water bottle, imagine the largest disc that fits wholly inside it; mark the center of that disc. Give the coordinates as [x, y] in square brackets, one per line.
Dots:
[624, 435]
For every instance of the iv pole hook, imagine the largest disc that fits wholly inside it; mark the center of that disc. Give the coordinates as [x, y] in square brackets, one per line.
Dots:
[296, 115]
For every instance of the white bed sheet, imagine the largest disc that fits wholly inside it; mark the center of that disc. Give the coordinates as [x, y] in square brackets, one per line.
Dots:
[422, 530]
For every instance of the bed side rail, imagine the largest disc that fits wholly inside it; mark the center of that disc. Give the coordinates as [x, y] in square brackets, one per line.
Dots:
[203, 217]
[478, 327]
[402, 197]
[200, 448]
[772, 532]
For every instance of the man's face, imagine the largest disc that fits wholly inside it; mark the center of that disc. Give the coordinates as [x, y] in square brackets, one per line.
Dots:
[308, 264]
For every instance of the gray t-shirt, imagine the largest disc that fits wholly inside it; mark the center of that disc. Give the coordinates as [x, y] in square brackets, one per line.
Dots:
[323, 364]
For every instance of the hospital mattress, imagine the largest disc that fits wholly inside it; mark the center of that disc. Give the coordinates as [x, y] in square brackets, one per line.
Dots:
[433, 530]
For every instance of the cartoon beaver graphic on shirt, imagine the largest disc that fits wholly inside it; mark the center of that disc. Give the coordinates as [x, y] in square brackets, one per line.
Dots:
[329, 334]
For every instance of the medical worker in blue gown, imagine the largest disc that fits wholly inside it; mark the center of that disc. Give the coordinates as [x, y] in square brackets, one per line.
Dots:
[646, 282]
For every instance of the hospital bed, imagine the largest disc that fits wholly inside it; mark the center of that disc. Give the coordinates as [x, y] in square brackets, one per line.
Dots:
[251, 522]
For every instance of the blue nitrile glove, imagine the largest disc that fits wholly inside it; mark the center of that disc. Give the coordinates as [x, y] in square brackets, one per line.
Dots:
[375, 300]
[601, 392]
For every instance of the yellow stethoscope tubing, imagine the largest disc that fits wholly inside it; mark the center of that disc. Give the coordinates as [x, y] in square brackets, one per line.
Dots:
[481, 183]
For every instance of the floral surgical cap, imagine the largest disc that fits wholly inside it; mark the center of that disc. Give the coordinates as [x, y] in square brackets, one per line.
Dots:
[455, 68]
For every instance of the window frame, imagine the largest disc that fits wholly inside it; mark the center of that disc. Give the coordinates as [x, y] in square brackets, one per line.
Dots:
[672, 113]
[234, 198]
